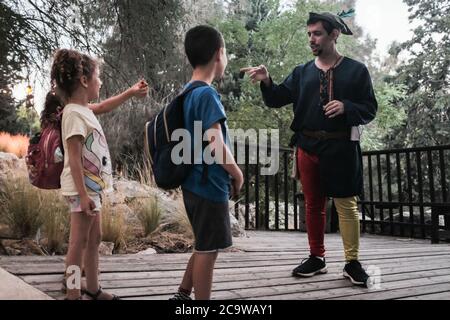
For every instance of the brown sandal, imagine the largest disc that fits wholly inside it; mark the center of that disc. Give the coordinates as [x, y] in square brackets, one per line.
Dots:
[94, 296]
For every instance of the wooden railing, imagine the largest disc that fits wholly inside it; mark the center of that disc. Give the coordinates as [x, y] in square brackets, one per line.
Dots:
[406, 193]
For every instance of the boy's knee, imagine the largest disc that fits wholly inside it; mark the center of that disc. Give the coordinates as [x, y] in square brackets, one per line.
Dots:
[208, 255]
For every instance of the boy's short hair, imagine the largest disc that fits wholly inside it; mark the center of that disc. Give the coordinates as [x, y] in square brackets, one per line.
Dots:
[201, 43]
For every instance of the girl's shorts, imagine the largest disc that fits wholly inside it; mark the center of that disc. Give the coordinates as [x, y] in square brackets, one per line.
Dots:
[74, 202]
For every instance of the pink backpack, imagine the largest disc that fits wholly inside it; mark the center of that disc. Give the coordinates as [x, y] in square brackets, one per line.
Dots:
[45, 157]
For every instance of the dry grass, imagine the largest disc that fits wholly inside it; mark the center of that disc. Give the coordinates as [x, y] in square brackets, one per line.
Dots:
[145, 175]
[55, 220]
[175, 233]
[180, 220]
[26, 209]
[114, 227]
[138, 170]
[149, 214]
[17, 144]
[20, 206]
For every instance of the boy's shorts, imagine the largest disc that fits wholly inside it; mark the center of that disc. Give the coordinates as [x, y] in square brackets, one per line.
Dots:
[74, 202]
[210, 222]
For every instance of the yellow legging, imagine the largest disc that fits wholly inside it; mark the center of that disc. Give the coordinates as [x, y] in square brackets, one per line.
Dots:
[348, 213]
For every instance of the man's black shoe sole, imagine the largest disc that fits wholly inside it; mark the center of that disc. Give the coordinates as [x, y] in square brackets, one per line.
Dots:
[307, 275]
[357, 283]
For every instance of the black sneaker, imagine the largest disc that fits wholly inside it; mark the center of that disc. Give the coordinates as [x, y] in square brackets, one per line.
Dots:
[310, 267]
[355, 272]
[180, 296]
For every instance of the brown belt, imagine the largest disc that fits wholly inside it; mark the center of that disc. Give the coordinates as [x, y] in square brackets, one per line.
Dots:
[325, 135]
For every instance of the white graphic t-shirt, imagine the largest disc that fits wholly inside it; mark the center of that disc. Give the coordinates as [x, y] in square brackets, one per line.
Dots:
[80, 120]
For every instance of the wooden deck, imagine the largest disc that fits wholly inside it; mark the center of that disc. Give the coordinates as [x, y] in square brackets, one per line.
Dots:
[409, 269]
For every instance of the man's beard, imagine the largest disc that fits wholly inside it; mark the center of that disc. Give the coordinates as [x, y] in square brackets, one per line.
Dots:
[317, 53]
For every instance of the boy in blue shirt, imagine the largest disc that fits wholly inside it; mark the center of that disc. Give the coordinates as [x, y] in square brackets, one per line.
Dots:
[206, 197]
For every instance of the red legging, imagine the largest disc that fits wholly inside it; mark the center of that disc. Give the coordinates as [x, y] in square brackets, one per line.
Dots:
[315, 201]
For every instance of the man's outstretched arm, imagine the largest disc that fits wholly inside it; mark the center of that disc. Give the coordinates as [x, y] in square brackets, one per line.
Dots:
[275, 96]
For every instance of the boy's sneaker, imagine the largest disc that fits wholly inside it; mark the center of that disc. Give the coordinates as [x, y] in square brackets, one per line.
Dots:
[310, 267]
[355, 272]
[180, 296]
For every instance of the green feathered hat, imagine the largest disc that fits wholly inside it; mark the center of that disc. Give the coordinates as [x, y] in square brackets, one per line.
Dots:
[335, 19]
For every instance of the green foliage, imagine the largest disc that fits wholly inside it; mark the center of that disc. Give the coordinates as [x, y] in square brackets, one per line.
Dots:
[27, 120]
[141, 40]
[144, 39]
[7, 110]
[29, 31]
[426, 75]
[10, 66]
[278, 40]
[148, 30]
[391, 116]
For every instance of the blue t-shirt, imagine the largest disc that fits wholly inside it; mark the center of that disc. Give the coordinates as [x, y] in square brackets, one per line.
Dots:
[203, 104]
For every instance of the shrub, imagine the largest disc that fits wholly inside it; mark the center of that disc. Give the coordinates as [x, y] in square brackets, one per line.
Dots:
[55, 218]
[114, 228]
[180, 220]
[21, 204]
[17, 144]
[149, 214]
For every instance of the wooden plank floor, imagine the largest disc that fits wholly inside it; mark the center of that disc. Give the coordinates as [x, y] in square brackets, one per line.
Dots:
[409, 269]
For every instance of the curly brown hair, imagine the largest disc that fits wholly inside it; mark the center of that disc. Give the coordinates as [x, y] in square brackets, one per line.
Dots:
[53, 105]
[67, 69]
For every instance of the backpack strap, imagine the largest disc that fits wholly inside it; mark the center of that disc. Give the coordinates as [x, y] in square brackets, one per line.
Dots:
[59, 116]
[194, 85]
